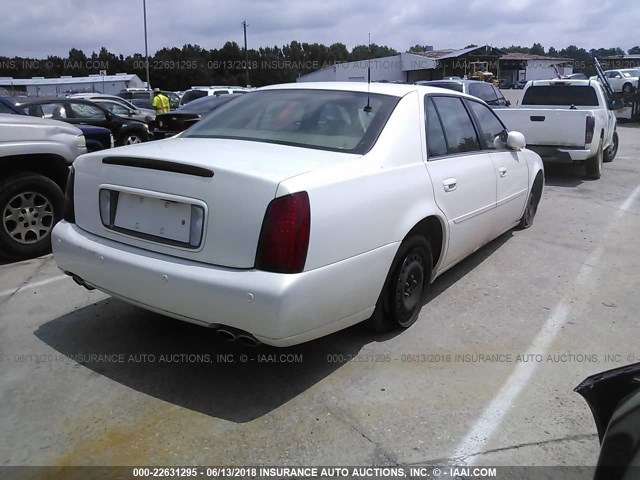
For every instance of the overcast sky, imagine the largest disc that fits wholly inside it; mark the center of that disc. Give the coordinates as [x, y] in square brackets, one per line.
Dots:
[53, 27]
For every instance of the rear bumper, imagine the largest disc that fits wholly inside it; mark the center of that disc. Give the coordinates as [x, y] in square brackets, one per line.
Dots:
[558, 154]
[278, 309]
[161, 134]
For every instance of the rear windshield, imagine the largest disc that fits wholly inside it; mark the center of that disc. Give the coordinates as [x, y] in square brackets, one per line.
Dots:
[320, 119]
[191, 95]
[580, 96]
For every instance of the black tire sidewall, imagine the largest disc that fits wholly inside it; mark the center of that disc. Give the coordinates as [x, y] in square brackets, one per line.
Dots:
[383, 319]
[594, 164]
[11, 187]
[608, 154]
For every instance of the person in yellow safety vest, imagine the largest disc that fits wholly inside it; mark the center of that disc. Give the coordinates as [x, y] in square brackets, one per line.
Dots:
[160, 102]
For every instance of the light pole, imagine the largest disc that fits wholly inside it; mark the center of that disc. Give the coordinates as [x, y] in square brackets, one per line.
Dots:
[246, 52]
[146, 49]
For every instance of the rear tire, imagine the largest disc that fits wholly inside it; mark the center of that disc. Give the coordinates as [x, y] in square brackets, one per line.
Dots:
[612, 150]
[405, 288]
[30, 205]
[594, 164]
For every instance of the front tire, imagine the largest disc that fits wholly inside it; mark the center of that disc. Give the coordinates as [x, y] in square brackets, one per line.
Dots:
[594, 164]
[612, 150]
[405, 288]
[30, 205]
[532, 205]
[627, 89]
[131, 139]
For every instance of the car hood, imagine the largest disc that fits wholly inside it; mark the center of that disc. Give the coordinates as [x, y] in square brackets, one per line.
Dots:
[7, 118]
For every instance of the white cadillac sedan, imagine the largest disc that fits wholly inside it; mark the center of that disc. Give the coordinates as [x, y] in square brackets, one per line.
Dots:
[297, 210]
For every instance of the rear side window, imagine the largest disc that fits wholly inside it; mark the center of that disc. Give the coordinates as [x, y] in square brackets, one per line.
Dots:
[458, 129]
[86, 111]
[54, 110]
[580, 96]
[436, 144]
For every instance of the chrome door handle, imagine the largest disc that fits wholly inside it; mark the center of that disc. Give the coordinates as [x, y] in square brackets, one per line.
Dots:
[450, 184]
[503, 171]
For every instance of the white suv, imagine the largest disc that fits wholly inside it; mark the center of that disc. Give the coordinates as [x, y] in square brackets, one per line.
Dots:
[198, 92]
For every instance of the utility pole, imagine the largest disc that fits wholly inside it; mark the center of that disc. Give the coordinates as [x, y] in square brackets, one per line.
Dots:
[246, 52]
[146, 49]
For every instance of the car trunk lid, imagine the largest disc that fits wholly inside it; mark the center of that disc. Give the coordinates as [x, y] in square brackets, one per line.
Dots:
[158, 192]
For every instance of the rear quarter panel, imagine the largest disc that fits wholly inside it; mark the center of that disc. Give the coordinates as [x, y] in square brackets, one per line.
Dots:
[372, 201]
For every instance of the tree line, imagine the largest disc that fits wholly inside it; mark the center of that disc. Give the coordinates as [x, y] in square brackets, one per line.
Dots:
[179, 68]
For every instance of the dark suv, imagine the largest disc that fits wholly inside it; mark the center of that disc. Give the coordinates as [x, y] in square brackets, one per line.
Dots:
[126, 131]
[482, 90]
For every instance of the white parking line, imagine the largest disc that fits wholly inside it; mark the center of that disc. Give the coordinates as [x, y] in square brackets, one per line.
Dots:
[30, 286]
[492, 416]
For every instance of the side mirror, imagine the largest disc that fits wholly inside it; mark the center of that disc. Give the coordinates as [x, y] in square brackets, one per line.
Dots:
[616, 104]
[516, 141]
[508, 104]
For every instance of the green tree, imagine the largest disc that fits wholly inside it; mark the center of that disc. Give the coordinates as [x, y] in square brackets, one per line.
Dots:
[537, 49]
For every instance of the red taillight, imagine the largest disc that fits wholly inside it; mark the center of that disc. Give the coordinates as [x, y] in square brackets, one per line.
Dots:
[588, 133]
[69, 211]
[284, 238]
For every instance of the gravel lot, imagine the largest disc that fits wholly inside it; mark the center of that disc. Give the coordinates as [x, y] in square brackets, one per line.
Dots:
[89, 380]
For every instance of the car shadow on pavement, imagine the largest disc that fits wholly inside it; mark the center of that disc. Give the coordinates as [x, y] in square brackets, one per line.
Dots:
[189, 365]
[564, 175]
[454, 274]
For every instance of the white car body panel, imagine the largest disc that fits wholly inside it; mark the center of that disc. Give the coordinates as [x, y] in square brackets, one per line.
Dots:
[362, 207]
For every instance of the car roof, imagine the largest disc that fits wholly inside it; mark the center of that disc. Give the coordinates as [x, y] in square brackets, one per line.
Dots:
[40, 100]
[392, 89]
[453, 80]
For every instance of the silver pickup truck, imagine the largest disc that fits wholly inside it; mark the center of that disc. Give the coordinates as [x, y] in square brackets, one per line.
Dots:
[35, 155]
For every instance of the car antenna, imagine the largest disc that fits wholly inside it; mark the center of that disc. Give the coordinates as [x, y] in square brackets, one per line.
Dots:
[368, 108]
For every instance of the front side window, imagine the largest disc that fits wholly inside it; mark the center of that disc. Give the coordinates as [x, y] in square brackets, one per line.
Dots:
[116, 108]
[458, 129]
[321, 119]
[86, 111]
[491, 128]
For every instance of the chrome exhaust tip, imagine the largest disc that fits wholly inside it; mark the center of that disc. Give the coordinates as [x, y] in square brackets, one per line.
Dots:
[82, 283]
[226, 335]
[248, 340]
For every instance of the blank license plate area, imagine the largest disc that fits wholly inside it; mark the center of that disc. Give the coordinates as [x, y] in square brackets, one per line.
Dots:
[154, 216]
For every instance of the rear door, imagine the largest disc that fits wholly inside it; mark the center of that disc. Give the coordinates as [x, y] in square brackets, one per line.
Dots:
[512, 171]
[462, 174]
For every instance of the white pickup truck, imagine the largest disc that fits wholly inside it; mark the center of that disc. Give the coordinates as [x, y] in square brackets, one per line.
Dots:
[568, 121]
